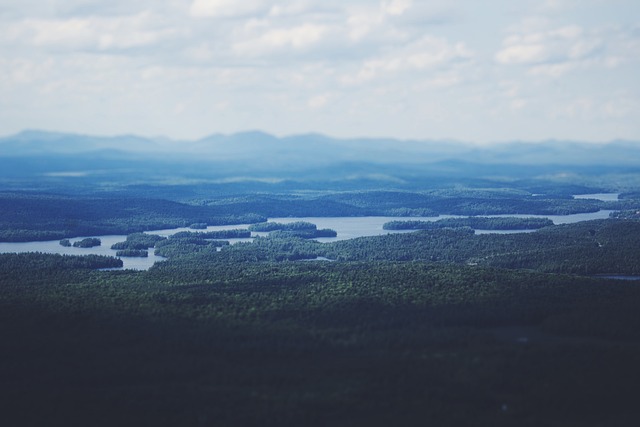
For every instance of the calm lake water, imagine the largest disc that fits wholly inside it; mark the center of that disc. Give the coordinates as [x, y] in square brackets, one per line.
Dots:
[352, 227]
[346, 227]
[53, 247]
[564, 219]
[605, 197]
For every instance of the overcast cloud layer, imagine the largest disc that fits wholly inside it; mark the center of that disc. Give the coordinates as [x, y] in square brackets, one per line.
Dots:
[473, 70]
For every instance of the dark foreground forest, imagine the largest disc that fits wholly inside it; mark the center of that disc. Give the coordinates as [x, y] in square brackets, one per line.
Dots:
[291, 343]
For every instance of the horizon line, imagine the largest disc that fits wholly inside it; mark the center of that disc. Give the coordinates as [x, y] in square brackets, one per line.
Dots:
[319, 134]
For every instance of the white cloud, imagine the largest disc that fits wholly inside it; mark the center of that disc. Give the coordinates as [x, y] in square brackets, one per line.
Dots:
[445, 80]
[555, 6]
[200, 53]
[296, 38]
[362, 23]
[522, 54]
[89, 33]
[23, 71]
[377, 23]
[73, 33]
[518, 104]
[226, 8]
[295, 8]
[552, 70]
[318, 101]
[556, 52]
[621, 107]
[540, 47]
[396, 7]
[424, 54]
[584, 48]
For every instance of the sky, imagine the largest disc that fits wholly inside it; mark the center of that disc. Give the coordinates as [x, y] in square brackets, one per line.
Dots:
[478, 71]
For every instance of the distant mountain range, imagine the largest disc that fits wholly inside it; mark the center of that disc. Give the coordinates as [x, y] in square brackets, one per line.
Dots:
[318, 149]
[258, 154]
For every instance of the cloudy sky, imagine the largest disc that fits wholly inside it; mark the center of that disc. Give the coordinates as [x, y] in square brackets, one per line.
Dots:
[482, 71]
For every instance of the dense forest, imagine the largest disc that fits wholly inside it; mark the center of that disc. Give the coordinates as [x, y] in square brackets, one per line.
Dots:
[30, 217]
[140, 253]
[206, 342]
[438, 326]
[588, 248]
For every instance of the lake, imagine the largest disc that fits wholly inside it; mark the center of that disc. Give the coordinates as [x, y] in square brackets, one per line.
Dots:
[563, 219]
[605, 197]
[352, 227]
[53, 247]
[346, 227]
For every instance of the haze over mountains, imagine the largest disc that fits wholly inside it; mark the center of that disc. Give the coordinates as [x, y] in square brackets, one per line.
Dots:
[316, 148]
[310, 156]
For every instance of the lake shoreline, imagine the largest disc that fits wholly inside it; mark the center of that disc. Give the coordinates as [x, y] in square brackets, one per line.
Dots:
[346, 227]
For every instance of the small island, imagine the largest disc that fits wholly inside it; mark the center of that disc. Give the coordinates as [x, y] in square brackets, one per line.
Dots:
[477, 223]
[138, 241]
[89, 242]
[140, 253]
[65, 242]
[302, 229]
[220, 234]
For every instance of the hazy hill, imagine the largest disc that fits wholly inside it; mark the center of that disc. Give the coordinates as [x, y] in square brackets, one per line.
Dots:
[317, 148]
[33, 142]
[311, 157]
